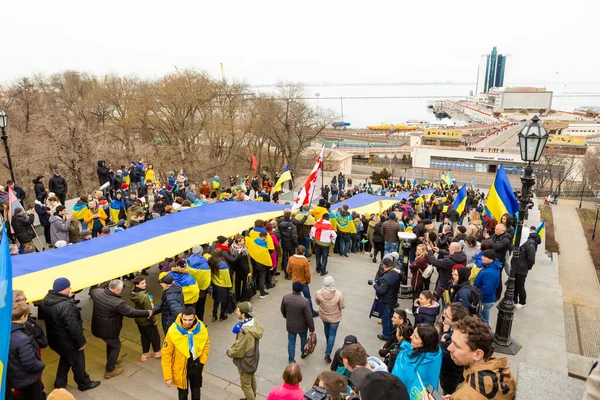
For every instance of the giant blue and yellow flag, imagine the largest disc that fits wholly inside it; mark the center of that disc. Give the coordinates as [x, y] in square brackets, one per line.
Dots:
[285, 176]
[541, 230]
[501, 198]
[5, 308]
[461, 200]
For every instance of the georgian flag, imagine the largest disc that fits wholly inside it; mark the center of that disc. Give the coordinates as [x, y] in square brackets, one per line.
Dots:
[306, 193]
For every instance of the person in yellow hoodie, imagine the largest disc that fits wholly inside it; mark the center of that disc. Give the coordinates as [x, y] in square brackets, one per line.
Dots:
[95, 217]
[184, 354]
[485, 377]
[319, 210]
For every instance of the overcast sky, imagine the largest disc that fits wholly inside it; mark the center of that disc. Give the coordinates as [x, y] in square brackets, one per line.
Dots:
[262, 42]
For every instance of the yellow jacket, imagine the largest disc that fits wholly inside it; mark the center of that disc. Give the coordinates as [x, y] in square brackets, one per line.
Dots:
[89, 216]
[318, 212]
[175, 351]
[150, 175]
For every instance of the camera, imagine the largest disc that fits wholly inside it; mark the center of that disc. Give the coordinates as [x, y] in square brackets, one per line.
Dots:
[319, 393]
[370, 282]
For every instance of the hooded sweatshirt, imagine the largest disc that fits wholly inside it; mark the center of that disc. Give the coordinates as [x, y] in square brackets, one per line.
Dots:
[331, 303]
[487, 281]
[426, 365]
[498, 382]
[245, 350]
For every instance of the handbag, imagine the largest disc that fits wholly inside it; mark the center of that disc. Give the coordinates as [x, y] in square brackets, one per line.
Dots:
[377, 309]
[231, 303]
[311, 343]
[249, 289]
[428, 271]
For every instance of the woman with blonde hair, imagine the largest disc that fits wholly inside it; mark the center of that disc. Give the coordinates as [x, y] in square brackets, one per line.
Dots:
[475, 227]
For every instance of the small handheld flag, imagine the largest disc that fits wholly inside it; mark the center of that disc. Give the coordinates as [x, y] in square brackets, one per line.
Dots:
[541, 230]
[461, 200]
[285, 176]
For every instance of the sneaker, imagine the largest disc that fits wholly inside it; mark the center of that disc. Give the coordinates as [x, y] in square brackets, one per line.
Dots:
[327, 359]
[262, 296]
[116, 372]
[519, 306]
[158, 354]
[409, 311]
[145, 357]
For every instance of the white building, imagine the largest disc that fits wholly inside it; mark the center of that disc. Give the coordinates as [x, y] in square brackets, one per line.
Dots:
[582, 130]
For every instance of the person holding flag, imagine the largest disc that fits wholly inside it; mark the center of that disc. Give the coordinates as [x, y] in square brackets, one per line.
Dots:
[501, 198]
[284, 177]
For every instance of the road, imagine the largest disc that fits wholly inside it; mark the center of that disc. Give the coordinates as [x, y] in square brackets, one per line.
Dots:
[502, 139]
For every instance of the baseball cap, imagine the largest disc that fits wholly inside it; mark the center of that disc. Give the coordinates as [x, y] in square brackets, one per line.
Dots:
[350, 339]
[246, 307]
[381, 385]
[167, 279]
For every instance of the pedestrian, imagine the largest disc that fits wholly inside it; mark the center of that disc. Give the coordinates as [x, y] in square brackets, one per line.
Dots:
[185, 352]
[290, 390]
[58, 185]
[103, 172]
[461, 290]
[95, 217]
[200, 270]
[39, 189]
[403, 330]
[378, 241]
[147, 326]
[360, 365]
[389, 232]
[346, 228]
[22, 224]
[298, 320]
[258, 248]
[444, 264]
[25, 365]
[220, 282]
[299, 269]
[44, 214]
[381, 385]
[188, 284]
[245, 350]
[417, 267]
[324, 235]
[487, 281]
[59, 225]
[304, 222]
[386, 290]
[107, 321]
[502, 241]
[450, 374]
[171, 303]
[289, 239]
[331, 303]
[525, 263]
[64, 327]
[240, 266]
[472, 348]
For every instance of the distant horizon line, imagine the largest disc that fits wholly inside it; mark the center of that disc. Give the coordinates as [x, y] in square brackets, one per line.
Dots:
[458, 83]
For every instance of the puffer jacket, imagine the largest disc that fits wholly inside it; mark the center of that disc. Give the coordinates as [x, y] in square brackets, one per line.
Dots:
[389, 231]
[64, 325]
[289, 234]
[331, 304]
[245, 351]
[303, 224]
[427, 315]
[43, 213]
[23, 227]
[487, 281]
[103, 174]
[59, 229]
[176, 351]
[25, 366]
[40, 190]
[170, 306]
[141, 301]
[107, 315]
[387, 287]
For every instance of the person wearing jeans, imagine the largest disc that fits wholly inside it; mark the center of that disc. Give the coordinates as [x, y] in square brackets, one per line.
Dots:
[345, 241]
[390, 247]
[487, 281]
[322, 253]
[298, 319]
[331, 303]
[323, 234]
[386, 289]
[389, 231]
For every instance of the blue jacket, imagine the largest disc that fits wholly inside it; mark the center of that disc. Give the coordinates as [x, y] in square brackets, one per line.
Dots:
[427, 365]
[487, 281]
[170, 306]
[387, 287]
[24, 364]
[427, 315]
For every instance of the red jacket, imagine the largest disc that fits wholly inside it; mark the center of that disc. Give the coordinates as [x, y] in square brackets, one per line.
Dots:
[417, 277]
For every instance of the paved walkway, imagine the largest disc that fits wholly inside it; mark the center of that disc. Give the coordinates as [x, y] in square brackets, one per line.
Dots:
[579, 281]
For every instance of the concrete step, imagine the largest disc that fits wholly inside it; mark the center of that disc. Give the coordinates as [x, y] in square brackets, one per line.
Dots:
[538, 383]
[579, 366]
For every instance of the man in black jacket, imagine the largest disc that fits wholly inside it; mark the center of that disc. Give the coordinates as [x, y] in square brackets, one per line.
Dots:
[64, 328]
[103, 172]
[20, 193]
[107, 321]
[386, 289]
[289, 239]
[445, 263]
[135, 177]
[524, 264]
[58, 185]
[172, 301]
[39, 189]
[22, 224]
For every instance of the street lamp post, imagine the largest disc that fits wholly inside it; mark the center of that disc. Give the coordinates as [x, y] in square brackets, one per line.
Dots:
[3, 124]
[596, 223]
[532, 140]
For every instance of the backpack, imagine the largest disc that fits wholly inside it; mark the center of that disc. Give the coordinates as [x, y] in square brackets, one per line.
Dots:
[411, 212]
[135, 174]
[476, 304]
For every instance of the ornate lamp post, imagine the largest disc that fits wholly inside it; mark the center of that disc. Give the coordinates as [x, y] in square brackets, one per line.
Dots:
[3, 124]
[532, 140]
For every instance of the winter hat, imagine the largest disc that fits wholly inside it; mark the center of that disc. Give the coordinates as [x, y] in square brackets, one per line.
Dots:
[489, 253]
[60, 284]
[124, 186]
[198, 250]
[106, 230]
[393, 216]
[322, 202]
[427, 222]
[221, 239]
[180, 263]
[421, 216]
[463, 273]
[329, 282]
[297, 287]
[246, 307]
[17, 210]
[383, 385]
[269, 227]
[60, 243]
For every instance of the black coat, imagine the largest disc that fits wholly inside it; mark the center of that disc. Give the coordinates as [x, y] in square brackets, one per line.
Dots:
[289, 234]
[64, 325]
[241, 266]
[108, 313]
[20, 193]
[43, 214]
[117, 182]
[170, 305]
[103, 174]
[23, 227]
[35, 331]
[526, 257]
[377, 235]
[501, 245]
[58, 185]
[444, 265]
[25, 366]
[40, 190]
[387, 287]
[451, 374]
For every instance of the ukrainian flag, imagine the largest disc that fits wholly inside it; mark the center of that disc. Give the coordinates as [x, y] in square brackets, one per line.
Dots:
[448, 179]
[501, 198]
[473, 183]
[461, 200]
[285, 176]
[5, 308]
[541, 230]
[426, 182]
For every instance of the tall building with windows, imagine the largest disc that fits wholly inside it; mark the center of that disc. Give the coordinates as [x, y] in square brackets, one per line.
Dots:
[492, 70]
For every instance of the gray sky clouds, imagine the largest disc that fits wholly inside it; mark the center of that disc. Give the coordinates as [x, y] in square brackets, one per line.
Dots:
[310, 41]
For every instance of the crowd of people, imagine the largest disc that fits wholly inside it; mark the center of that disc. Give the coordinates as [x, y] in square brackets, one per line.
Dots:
[442, 341]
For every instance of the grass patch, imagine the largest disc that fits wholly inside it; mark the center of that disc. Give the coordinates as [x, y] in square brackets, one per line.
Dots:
[551, 243]
[588, 217]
